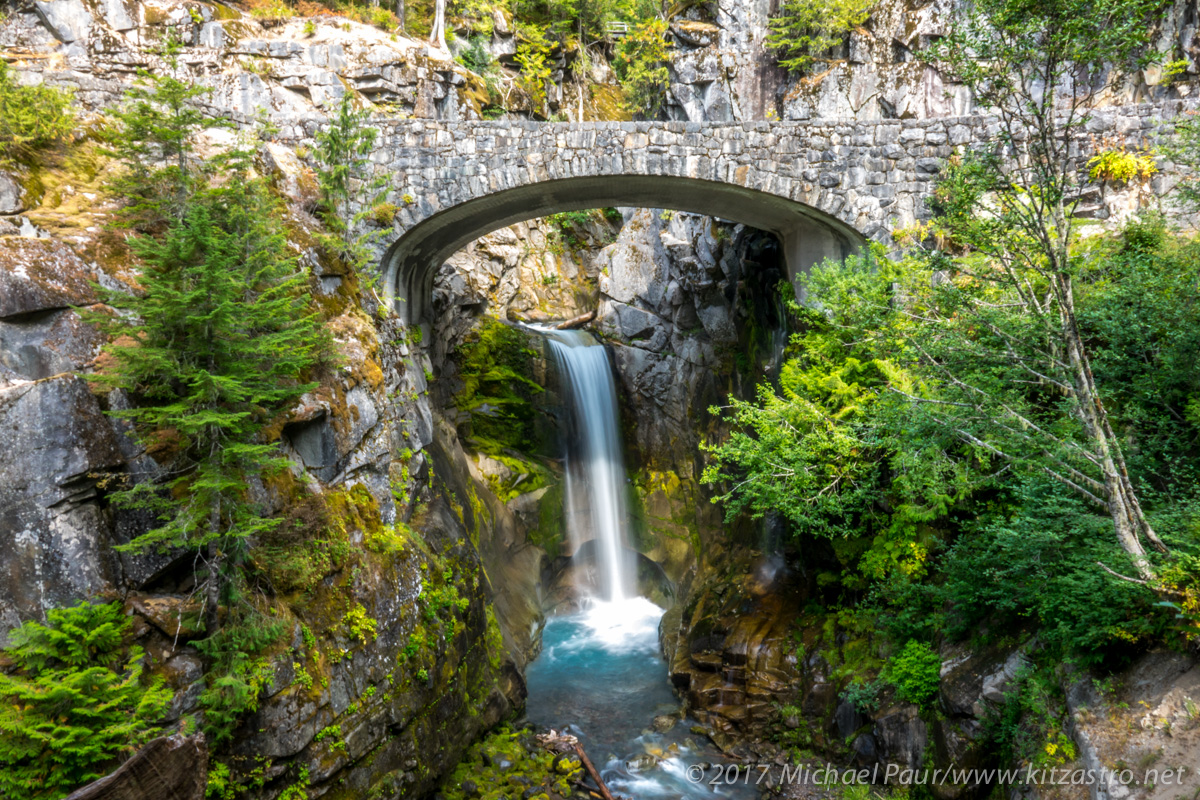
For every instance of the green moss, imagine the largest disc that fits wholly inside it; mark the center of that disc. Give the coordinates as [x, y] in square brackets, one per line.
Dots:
[317, 537]
[548, 535]
[528, 767]
[496, 367]
[526, 475]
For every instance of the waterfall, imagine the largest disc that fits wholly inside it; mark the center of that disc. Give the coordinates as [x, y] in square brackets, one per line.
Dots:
[595, 466]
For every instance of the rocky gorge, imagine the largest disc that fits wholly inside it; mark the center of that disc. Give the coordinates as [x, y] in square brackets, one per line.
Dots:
[404, 508]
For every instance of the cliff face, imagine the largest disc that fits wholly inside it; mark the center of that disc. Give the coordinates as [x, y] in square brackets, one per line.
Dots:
[389, 513]
[721, 71]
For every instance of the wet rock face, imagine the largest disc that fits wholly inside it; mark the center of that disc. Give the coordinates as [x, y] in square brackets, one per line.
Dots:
[534, 271]
[674, 307]
[55, 540]
[731, 656]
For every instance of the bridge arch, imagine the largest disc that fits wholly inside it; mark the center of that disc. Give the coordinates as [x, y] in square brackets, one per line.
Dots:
[823, 186]
[410, 264]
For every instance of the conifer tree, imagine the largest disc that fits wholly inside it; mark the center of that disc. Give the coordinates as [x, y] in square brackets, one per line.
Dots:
[153, 139]
[348, 193]
[211, 349]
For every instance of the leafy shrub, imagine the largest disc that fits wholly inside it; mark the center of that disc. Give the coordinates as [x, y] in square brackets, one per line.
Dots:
[805, 29]
[31, 117]
[74, 702]
[1027, 726]
[914, 671]
[533, 57]
[1040, 564]
[475, 57]
[383, 214]
[1122, 166]
[359, 625]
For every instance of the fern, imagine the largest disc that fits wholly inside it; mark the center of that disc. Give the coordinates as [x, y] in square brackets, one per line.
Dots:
[75, 702]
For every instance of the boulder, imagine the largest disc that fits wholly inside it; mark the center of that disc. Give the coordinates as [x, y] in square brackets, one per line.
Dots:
[12, 196]
[40, 345]
[41, 274]
[68, 20]
[635, 325]
[971, 676]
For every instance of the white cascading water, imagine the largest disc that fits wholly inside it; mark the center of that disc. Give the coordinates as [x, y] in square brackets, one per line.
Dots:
[600, 674]
[595, 480]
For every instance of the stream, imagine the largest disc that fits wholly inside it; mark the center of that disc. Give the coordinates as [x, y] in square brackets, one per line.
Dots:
[601, 675]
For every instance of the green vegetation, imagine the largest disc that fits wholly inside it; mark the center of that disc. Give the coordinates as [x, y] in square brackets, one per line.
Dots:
[31, 117]
[359, 625]
[73, 701]
[496, 368]
[345, 176]
[641, 64]
[863, 695]
[211, 350]
[533, 58]
[1121, 165]
[1027, 727]
[509, 763]
[914, 672]
[805, 30]
[577, 31]
[996, 436]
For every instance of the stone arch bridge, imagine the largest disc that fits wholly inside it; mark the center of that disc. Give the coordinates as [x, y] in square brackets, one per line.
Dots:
[824, 187]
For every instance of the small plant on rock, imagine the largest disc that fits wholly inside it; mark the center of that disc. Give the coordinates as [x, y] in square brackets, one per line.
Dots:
[1120, 165]
[915, 672]
[863, 695]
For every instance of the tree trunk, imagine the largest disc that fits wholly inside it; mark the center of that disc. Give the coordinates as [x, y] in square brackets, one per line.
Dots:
[212, 599]
[402, 14]
[438, 35]
[1123, 505]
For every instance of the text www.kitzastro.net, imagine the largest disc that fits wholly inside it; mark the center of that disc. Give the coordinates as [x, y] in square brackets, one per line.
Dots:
[829, 775]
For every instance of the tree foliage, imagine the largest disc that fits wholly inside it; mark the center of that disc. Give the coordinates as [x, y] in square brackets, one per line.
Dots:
[805, 30]
[74, 701]
[31, 117]
[641, 63]
[349, 191]
[211, 349]
[152, 136]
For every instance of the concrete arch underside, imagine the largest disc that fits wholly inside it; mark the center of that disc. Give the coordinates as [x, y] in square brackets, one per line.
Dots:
[808, 235]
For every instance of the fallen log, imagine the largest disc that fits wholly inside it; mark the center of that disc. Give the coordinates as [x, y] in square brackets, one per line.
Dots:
[168, 768]
[577, 322]
[591, 770]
